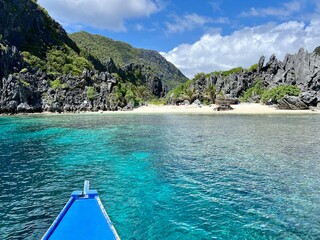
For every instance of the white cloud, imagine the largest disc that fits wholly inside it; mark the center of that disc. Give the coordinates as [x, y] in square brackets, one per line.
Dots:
[186, 23]
[286, 10]
[102, 14]
[139, 27]
[244, 47]
[216, 5]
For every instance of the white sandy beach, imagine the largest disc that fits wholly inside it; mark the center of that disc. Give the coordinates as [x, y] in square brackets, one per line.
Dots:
[243, 108]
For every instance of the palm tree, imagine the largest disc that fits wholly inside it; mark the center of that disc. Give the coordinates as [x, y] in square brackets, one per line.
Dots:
[143, 92]
[190, 93]
[211, 93]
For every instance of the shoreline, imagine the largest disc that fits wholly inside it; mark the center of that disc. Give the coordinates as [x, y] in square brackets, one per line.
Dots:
[242, 108]
[238, 109]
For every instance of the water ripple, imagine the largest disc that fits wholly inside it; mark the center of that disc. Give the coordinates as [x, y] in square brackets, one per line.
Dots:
[165, 176]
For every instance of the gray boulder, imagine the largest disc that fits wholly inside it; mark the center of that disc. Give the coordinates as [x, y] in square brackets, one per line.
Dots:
[196, 102]
[310, 98]
[24, 108]
[292, 103]
[186, 102]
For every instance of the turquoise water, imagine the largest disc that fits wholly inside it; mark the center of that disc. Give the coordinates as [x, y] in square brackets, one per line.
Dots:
[165, 176]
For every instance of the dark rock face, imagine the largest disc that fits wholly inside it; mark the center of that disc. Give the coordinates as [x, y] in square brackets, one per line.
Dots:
[10, 60]
[24, 24]
[138, 73]
[25, 92]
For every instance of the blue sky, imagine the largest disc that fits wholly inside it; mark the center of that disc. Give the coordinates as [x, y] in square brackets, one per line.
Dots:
[198, 36]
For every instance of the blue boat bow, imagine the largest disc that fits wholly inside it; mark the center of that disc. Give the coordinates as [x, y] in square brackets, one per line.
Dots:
[83, 217]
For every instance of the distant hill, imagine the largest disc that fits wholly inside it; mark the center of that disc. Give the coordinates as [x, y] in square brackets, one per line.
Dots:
[104, 48]
[317, 50]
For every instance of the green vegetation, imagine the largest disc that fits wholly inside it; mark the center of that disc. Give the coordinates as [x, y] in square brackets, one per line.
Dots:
[158, 101]
[43, 42]
[62, 61]
[24, 70]
[181, 90]
[232, 71]
[226, 73]
[91, 93]
[66, 61]
[199, 75]
[103, 48]
[256, 91]
[278, 93]
[210, 93]
[26, 84]
[31, 29]
[32, 60]
[127, 92]
[317, 50]
[253, 67]
[56, 84]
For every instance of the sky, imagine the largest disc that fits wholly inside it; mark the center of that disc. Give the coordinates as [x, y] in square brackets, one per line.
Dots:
[198, 35]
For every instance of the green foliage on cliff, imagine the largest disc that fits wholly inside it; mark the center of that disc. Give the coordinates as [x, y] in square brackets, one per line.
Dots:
[254, 92]
[64, 60]
[24, 83]
[126, 93]
[232, 71]
[56, 84]
[32, 60]
[199, 75]
[181, 90]
[317, 50]
[253, 67]
[29, 27]
[44, 43]
[91, 93]
[211, 93]
[278, 93]
[103, 48]
[227, 72]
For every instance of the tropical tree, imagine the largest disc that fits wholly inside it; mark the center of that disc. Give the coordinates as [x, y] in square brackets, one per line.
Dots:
[211, 93]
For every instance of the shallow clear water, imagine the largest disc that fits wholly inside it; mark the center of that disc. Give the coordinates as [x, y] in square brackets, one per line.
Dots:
[165, 176]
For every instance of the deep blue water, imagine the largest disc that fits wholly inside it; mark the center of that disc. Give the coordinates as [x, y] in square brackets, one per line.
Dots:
[165, 176]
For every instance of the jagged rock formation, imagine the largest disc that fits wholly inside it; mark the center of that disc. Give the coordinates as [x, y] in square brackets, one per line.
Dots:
[33, 81]
[10, 59]
[301, 69]
[140, 74]
[23, 89]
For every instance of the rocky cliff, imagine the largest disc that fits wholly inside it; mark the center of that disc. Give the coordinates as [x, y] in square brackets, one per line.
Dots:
[42, 69]
[24, 89]
[301, 70]
[26, 25]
